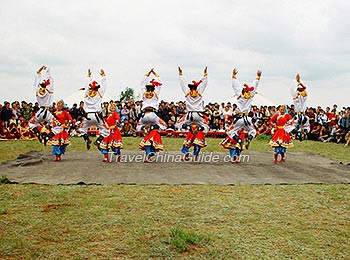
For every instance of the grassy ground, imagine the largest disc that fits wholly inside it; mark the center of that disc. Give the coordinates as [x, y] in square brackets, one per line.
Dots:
[138, 222]
[141, 222]
[9, 150]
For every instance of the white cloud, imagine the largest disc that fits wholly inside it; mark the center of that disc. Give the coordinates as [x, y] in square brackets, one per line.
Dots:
[127, 38]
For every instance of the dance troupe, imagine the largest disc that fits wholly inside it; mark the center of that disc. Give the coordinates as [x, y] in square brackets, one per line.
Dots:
[195, 122]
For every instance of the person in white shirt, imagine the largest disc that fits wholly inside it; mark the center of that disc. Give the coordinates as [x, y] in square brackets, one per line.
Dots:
[244, 95]
[93, 94]
[301, 120]
[149, 121]
[44, 89]
[195, 120]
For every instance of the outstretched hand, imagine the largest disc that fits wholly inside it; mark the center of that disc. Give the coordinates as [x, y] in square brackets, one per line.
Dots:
[297, 78]
[102, 73]
[234, 72]
[206, 70]
[258, 73]
[180, 71]
[89, 73]
[41, 69]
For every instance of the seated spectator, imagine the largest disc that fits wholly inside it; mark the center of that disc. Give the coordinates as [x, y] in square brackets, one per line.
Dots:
[335, 129]
[324, 134]
[127, 129]
[14, 131]
[171, 125]
[25, 131]
[216, 124]
[315, 132]
[262, 128]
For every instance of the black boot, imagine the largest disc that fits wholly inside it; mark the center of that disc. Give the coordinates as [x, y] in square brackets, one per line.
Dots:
[37, 133]
[47, 137]
[98, 141]
[238, 140]
[249, 139]
[87, 141]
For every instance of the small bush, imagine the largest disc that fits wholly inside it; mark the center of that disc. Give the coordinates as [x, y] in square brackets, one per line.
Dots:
[180, 239]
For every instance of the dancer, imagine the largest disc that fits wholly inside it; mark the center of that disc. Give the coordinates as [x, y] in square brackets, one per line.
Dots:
[281, 139]
[232, 145]
[244, 94]
[114, 140]
[301, 120]
[149, 121]
[195, 120]
[61, 123]
[93, 95]
[44, 88]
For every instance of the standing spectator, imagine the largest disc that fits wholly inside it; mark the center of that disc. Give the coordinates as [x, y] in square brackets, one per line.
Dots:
[81, 112]
[344, 121]
[132, 112]
[124, 114]
[26, 111]
[6, 114]
[74, 111]
[322, 117]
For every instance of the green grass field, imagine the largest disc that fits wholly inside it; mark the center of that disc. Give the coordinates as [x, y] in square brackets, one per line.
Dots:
[9, 150]
[175, 222]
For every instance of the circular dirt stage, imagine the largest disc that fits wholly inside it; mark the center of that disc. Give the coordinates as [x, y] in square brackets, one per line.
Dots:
[167, 168]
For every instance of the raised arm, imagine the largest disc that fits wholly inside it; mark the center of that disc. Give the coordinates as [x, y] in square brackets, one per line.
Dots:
[145, 81]
[256, 82]
[203, 85]
[294, 86]
[103, 82]
[183, 82]
[236, 84]
[49, 87]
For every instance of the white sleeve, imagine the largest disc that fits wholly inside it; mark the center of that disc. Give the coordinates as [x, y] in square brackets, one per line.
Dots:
[255, 84]
[51, 86]
[237, 87]
[37, 81]
[144, 83]
[158, 88]
[103, 87]
[294, 88]
[88, 81]
[203, 85]
[183, 84]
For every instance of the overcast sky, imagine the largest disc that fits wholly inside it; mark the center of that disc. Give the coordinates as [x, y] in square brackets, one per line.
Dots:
[127, 38]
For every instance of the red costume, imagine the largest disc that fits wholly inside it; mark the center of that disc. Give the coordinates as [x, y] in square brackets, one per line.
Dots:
[114, 139]
[61, 118]
[280, 136]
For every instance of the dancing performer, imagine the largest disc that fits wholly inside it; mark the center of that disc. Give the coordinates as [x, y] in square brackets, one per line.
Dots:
[44, 88]
[195, 120]
[301, 120]
[149, 121]
[244, 94]
[281, 139]
[94, 91]
[232, 145]
[61, 123]
[114, 140]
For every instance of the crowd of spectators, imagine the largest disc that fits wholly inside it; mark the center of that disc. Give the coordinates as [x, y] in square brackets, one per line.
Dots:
[330, 124]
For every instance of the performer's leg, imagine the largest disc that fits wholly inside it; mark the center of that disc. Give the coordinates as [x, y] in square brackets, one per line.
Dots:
[275, 155]
[83, 131]
[283, 154]
[196, 150]
[116, 151]
[56, 151]
[186, 151]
